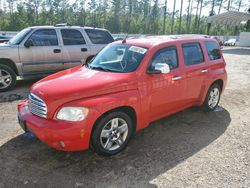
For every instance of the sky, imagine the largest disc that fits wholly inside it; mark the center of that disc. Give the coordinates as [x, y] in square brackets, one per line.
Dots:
[170, 4]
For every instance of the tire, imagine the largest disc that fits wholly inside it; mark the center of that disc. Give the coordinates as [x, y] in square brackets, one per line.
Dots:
[213, 97]
[7, 78]
[112, 133]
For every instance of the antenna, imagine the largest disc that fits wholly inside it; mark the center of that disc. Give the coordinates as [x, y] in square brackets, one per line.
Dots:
[124, 40]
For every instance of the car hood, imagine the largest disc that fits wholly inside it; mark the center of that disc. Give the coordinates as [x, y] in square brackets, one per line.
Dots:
[79, 83]
[9, 51]
[4, 45]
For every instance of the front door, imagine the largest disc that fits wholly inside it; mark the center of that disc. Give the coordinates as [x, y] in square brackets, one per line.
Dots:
[167, 90]
[43, 55]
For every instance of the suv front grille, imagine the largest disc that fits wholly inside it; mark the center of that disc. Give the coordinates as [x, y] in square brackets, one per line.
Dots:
[37, 106]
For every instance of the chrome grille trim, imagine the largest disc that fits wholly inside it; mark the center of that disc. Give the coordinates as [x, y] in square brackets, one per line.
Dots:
[37, 106]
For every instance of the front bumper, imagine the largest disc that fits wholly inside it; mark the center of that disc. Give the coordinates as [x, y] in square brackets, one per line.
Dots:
[61, 135]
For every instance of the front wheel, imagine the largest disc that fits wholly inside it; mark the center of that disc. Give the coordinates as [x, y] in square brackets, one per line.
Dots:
[112, 133]
[7, 78]
[213, 97]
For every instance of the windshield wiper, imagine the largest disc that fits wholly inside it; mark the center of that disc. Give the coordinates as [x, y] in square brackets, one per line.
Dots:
[86, 65]
[102, 69]
[98, 68]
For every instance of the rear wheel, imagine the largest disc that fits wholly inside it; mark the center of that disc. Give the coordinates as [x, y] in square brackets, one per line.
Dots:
[112, 133]
[213, 97]
[7, 78]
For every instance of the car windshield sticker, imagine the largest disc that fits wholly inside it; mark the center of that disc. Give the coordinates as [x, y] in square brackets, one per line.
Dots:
[138, 49]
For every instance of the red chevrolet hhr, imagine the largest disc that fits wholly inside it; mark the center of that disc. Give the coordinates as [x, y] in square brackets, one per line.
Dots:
[129, 84]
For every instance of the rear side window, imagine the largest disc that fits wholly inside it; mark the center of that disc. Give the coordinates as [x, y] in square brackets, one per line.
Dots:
[44, 37]
[166, 55]
[192, 53]
[72, 37]
[213, 50]
[99, 36]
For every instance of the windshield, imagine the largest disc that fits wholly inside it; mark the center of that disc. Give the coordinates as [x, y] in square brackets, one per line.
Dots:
[17, 39]
[118, 58]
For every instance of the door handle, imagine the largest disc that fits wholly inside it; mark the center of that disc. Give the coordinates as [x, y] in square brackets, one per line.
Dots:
[175, 78]
[57, 51]
[84, 49]
[204, 70]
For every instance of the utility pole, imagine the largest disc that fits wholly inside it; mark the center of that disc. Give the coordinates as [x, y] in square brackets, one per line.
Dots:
[229, 5]
[164, 17]
[239, 5]
[180, 19]
[172, 21]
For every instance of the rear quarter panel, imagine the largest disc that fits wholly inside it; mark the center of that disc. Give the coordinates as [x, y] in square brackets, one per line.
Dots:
[94, 48]
[216, 71]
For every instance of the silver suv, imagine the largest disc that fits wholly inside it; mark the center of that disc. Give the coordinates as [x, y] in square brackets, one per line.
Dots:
[42, 50]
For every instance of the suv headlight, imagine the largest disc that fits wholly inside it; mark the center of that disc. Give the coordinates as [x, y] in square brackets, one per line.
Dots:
[72, 113]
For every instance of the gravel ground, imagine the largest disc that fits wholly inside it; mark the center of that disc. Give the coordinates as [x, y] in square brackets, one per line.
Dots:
[192, 148]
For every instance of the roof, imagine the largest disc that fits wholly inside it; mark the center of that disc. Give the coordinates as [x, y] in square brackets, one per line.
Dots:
[233, 18]
[63, 27]
[151, 41]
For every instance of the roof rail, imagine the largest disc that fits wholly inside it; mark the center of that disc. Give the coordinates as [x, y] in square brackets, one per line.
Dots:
[63, 25]
[188, 36]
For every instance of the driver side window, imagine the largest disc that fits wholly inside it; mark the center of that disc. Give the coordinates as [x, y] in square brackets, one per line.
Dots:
[166, 55]
[44, 37]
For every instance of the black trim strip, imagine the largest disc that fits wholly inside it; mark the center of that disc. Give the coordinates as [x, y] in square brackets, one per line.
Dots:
[50, 63]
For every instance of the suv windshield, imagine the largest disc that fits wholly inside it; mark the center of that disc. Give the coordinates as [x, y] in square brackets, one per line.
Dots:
[17, 39]
[118, 58]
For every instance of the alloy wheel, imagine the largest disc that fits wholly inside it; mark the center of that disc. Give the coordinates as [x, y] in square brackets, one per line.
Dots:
[5, 79]
[114, 134]
[214, 97]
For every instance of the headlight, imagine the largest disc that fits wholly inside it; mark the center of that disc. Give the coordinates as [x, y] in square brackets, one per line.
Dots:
[72, 113]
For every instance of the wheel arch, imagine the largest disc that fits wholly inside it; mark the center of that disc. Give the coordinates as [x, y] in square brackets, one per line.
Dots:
[219, 82]
[202, 98]
[9, 63]
[130, 111]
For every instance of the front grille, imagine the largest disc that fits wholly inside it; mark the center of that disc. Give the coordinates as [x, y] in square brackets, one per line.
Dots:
[37, 106]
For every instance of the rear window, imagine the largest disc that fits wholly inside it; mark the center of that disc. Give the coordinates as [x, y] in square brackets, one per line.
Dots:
[99, 36]
[213, 50]
[72, 37]
[192, 53]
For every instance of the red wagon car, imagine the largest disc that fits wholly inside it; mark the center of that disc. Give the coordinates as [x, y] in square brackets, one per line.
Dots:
[129, 84]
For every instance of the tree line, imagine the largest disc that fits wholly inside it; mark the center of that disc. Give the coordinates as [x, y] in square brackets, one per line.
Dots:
[121, 16]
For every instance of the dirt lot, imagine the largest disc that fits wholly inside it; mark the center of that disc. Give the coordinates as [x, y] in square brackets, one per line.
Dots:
[192, 148]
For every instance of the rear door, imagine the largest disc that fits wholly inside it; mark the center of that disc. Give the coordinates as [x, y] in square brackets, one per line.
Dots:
[44, 55]
[75, 50]
[196, 70]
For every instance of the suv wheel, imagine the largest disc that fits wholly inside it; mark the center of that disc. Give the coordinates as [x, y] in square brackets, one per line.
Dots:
[112, 133]
[213, 97]
[7, 78]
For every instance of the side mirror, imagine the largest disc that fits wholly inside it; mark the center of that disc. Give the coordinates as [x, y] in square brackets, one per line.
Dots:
[28, 43]
[162, 68]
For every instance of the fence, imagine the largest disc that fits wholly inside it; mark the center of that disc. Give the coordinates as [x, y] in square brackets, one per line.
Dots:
[223, 38]
[8, 33]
